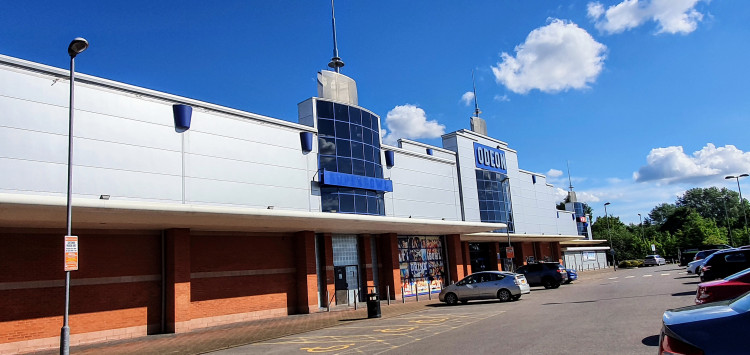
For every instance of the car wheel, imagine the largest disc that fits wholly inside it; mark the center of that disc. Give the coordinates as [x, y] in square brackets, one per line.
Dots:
[451, 299]
[555, 284]
[549, 282]
[503, 295]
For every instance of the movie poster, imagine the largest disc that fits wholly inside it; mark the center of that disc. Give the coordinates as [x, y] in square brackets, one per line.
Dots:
[421, 262]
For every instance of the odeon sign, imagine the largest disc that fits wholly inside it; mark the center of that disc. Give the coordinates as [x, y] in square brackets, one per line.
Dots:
[489, 158]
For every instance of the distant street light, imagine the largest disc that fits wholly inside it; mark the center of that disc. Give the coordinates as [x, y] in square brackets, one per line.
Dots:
[643, 235]
[726, 217]
[609, 236]
[740, 191]
[77, 46]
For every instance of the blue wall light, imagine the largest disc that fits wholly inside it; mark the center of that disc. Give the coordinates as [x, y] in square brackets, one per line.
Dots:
[429, 151]
[182, 114]
[306, 139]
[389, 158]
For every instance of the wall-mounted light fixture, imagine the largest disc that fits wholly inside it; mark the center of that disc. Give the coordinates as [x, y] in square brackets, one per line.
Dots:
[306, 140]
[182, 115]
[389, 158]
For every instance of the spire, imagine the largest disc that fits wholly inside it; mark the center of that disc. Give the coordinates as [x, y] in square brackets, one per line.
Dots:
[336, 62]
[570, 181]
[476, 105]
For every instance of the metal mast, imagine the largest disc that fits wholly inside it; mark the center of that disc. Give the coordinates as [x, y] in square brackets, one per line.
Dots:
[336, 62]
[476, 105]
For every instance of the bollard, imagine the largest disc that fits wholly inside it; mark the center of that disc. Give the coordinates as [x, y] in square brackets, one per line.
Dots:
[429, 291]
[355, 300]
[403, 298]
[416, 292]
[328, 301]
[388, 294]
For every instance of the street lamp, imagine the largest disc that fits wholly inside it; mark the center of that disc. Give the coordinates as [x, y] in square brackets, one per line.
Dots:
[77, 46]
[611, 248]
[740, 191]
[726, 218]
[643, 235]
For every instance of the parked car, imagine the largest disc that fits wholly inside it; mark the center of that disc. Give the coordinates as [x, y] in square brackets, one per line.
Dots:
[654, 260]
[713, 328]
[718, 290]
[724, 263]
[700, 257]
[503, 285]
[572, 275]
[547, 274]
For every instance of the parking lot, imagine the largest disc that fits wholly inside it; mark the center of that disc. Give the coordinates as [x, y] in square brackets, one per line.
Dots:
[617, 312]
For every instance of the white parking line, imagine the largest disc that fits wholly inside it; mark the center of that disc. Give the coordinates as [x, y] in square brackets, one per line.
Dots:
[612, 278]
[647, 275]
[629, 277]
[664, 274]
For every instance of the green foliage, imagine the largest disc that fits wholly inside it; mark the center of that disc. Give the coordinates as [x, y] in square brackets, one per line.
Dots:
[630, 263]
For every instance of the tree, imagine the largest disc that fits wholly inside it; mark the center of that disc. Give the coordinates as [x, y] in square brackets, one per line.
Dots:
[660, 213]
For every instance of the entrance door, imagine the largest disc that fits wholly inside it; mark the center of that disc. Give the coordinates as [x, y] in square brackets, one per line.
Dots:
[341, 285]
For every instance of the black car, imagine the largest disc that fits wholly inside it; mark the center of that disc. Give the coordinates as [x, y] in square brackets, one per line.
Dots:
[549, 275]
[724, 263]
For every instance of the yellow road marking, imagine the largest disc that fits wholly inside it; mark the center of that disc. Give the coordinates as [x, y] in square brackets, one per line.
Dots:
[320, 349]
[396, 330]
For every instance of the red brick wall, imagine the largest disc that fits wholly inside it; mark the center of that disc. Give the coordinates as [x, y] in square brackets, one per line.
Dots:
[32, 292]
[270, 284]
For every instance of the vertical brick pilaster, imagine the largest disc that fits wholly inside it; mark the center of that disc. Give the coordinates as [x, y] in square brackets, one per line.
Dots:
[330, 286]
[177, 255]
[467, 258]
[307, 278]
[390, 273]
[367, 264]
[455, 258]
[494, 252]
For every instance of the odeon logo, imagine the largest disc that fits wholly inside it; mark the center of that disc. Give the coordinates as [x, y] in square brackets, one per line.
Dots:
[489, 158]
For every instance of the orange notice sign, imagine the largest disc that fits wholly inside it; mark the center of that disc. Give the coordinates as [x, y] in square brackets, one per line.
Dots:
[509, 252]
[71, 253]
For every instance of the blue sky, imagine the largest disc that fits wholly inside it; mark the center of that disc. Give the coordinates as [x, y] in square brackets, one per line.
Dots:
[644, 99]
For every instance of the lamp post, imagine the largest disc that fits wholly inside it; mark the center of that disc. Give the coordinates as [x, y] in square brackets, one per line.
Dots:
[739, 189]
[609, 236]
[643, 234]
[726, 218]
[75, 47]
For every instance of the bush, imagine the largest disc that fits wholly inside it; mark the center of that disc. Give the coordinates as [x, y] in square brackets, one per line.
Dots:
[630, 263]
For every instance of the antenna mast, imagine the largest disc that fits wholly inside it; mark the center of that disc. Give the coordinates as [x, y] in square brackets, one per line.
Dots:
[336, 62]
[570, 181]
[476, 105]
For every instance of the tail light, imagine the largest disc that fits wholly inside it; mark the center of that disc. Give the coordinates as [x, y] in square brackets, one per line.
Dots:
[702, 295]
[705, 268]
[673, 346]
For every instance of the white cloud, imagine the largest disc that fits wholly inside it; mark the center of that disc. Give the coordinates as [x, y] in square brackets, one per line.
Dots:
[503, 98]
[553, 173]
[554, 58]
[671, 16]
[671, 164]
[409, 121]
[467, 98]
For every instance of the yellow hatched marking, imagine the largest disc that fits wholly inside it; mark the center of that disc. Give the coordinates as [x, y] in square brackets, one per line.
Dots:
[396, 330]
[321, 349]
[429, 321]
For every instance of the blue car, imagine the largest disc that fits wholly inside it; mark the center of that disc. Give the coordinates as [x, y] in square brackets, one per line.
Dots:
[712, 328]
[572, 275]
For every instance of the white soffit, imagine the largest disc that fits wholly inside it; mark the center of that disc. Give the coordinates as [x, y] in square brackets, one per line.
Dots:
[32, 211]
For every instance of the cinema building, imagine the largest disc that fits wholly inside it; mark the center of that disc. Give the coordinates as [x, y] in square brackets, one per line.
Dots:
[233, 216]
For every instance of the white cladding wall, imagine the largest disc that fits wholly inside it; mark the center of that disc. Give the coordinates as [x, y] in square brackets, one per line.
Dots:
[423, 186]
[126, 146]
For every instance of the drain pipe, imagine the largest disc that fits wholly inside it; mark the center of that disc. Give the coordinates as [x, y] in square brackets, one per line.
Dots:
[163, 285]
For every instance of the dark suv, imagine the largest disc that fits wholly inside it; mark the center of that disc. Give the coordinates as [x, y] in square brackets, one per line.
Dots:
[724, 263]
[549, 275]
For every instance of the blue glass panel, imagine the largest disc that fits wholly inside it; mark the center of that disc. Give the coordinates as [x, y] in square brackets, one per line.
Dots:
[378, 171]
[358, 167]
[376, 156]
[356, 133]
[360, 204]
[325, 127]
[366, 119]
[374, 124]
[329, 200]
[483, 216]
[325, 109]
[369, 169]
[326, 146]
[343, 148]
[358, 150]
[368, 153]
[372, 205]
[342, 130]
[367, 135]
[328, 163]
[355, 116]
[346, 203]
[341, 112]
[345, 165]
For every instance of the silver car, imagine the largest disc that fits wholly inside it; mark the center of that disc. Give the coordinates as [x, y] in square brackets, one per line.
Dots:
[502, 285]
[654, 260]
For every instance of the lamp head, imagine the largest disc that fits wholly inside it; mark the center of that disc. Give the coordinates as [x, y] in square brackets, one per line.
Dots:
[77, 46]
[743, 175]
[607, 204]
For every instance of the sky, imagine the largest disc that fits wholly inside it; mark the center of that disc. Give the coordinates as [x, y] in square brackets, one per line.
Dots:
[642, 99]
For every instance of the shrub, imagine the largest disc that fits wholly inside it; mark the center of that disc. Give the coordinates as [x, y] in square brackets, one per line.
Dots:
[630, 263]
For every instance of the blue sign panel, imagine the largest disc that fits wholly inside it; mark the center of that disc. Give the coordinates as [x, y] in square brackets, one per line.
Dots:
[489, 158]
[356, 181]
